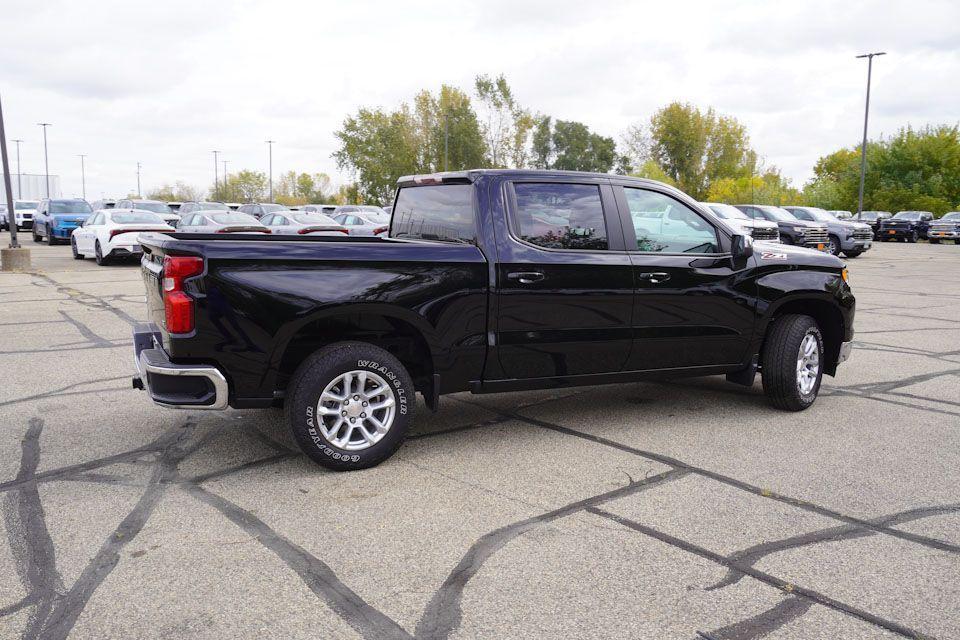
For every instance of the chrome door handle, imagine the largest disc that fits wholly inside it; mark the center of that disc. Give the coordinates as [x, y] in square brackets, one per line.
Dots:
[526, 277]
[655, 277]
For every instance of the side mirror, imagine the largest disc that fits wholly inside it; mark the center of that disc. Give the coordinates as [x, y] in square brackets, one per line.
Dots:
[741, 247]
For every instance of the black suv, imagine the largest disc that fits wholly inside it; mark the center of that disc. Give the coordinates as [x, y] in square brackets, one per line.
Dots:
[906, 226]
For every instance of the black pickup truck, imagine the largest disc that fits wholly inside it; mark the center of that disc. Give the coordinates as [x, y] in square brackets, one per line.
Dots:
[489, 281]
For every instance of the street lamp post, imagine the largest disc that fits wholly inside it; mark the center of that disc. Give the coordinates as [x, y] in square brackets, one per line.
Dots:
[11, 220]
[19, 187]
[83, 175]
[225, 178]
[139, 195]
[866, 116]
[46, 161]
[270, 154]
[216, 178]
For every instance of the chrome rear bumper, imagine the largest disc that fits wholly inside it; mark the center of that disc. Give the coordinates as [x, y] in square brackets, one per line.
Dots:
[176, 386]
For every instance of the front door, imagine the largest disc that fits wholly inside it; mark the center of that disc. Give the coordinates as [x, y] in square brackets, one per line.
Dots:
[691, 307]
[565, 281]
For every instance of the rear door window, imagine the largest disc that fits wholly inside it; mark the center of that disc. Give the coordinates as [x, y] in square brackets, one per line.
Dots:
[560, 216]
[436, 212]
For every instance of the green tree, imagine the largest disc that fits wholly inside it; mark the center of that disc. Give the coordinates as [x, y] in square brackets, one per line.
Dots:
[242, 186]
[449, 131]
[178, 192]
[914, 169]
[506, 126]
[768, 188]
[578, 149]
[652, 171]
[696, 147]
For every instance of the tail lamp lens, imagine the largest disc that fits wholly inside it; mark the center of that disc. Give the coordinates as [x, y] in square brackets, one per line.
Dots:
[177, 305]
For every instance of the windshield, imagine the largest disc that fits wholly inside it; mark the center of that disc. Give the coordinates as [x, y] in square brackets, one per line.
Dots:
[314, 218]
[136, 218]
[272, 208]
[234, 218]
[728, 212]
[821, 215]
[70, 206]
[955, 215]
[869, 215]
[212, 206]
[376, 218]
[778, 214]
[908, 215]
[25, 205]
[155, 207]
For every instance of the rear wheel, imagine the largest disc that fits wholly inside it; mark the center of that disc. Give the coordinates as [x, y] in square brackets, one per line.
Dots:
[852, 254]
[350, 406]
[792, 362]
[98, 253]
[73, 247]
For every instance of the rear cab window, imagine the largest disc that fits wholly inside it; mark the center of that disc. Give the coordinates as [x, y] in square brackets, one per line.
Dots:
[556, 215]
[442, 213]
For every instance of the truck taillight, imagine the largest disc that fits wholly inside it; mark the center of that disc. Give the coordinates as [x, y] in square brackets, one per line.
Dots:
[177, 305]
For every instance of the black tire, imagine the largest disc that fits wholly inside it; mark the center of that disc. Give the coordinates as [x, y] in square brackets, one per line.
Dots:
[912, 237]
[779, 362]
[73, 247]
[852, 254]
[36, 238]
[324, 367]
[98, 254]
[834, 244]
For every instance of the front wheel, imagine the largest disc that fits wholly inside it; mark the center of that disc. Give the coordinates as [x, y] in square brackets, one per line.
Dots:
[73, 247]
[852, 254]
[36, 236]
[350, 406]
[834, 244]
[792, 362]
[912, 237]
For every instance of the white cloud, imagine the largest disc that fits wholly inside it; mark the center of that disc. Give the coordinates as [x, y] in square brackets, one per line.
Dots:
[165, 83]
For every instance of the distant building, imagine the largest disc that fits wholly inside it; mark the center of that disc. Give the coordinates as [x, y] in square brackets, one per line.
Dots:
[34, 187]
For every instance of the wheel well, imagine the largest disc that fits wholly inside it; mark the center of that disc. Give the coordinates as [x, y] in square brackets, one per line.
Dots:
[397, 336]
[829, 320]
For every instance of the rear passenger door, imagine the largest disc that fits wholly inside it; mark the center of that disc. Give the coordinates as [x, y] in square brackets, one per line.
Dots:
[565, 281]
[691, 308]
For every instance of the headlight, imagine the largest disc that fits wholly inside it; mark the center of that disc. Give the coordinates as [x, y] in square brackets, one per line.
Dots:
[800, 230]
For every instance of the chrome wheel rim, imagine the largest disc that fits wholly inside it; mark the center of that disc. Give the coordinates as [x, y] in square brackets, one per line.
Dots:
[808, 364]
[356, 410]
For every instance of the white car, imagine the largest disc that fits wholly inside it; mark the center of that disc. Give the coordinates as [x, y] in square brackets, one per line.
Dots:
[158, 207]
[299, 223]
[114, 233]
[757, 229]
[23, 212]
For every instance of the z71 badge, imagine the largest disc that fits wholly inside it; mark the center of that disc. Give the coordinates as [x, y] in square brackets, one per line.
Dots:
[770, 255]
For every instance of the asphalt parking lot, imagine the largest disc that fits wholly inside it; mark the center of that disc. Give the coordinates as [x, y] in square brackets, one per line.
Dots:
[671, 510]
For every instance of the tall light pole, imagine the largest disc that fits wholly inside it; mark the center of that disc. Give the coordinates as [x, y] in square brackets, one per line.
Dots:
[216, 179]
[139, 195]
[19, 188]
[83, 175]
[270, 154]
[866, 116]
[46, 161]
[225, 178]
[8, 200]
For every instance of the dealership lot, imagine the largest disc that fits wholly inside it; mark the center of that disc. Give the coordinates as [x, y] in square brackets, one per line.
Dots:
[669, 510]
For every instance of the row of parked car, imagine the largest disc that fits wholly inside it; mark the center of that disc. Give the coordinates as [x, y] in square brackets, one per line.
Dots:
[109, 229]
[838, 231]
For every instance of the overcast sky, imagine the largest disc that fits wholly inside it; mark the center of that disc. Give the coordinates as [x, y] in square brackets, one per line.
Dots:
[164, 83]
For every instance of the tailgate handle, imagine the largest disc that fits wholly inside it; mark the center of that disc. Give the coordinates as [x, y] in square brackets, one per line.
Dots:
[655, 277]
[526, 277]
